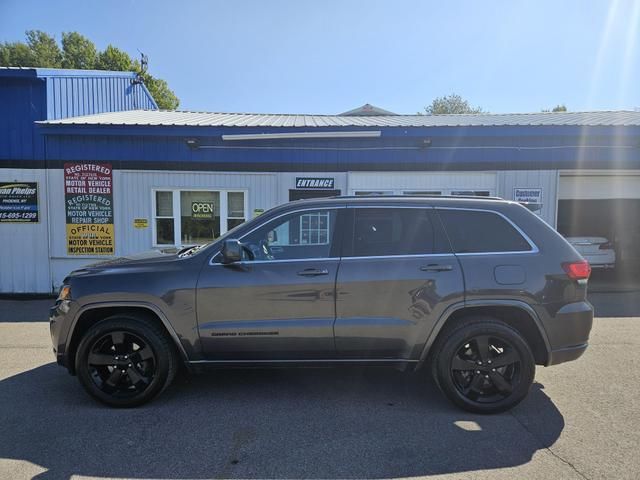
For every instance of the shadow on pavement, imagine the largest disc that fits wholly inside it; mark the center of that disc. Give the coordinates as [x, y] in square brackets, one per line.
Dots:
[622, 304]
[266, 424]
[20, 310]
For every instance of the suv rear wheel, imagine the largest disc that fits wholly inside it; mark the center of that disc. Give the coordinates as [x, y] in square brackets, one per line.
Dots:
[125, 361]
[483, 366]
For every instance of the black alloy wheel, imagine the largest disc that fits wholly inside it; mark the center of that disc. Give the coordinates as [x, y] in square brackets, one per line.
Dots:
[483, 365]
[121, 364]
[125, 361]
[486, 369]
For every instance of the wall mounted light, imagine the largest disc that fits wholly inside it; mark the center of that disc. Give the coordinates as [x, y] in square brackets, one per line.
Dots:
[301, 135]
[192, 142]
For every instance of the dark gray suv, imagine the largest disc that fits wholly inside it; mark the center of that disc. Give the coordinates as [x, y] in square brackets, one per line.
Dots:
[476, 291]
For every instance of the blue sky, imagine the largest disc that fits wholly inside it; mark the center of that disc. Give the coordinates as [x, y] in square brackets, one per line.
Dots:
[330, 56]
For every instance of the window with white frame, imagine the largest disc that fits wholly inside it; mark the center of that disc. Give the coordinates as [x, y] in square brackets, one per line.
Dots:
[195, 216]
[476, 193]
[418, 193]
[314, 228]
[471, 193]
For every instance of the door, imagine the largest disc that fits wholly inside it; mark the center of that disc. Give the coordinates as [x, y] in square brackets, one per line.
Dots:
[396, 278]
[307, 194]
[278, 305]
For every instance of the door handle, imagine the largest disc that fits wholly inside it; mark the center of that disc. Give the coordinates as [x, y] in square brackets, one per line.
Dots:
[313, 272]
[434, 267]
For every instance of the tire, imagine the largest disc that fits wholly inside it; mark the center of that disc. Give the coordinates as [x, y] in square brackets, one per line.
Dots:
[483, 365]
[125, 361]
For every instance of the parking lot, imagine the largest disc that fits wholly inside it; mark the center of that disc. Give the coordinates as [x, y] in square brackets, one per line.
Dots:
[580, 421]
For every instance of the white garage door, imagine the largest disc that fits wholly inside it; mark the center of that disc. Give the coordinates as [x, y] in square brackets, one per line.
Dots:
[599, 187]
[414, 183]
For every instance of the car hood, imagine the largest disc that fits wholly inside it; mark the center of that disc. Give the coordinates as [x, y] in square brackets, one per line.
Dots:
[150, 256]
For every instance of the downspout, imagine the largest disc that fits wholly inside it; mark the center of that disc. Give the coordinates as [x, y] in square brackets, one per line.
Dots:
[46, 173]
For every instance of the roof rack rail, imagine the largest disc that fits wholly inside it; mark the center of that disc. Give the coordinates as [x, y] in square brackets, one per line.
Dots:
[463, 197]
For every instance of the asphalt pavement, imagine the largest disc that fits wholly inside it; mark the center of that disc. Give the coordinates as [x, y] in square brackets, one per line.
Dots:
[581, 420]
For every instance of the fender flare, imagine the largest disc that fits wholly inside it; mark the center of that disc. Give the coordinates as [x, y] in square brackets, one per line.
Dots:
[148, 306]
[440, 323]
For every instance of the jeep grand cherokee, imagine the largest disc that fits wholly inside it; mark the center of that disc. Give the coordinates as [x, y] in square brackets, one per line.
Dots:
[476, 292]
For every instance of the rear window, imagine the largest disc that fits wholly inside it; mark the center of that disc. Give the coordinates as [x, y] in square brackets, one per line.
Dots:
[481, 232]
[392, 231]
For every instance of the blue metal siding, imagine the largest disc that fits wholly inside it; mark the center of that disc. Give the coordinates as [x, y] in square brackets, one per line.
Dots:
[76, 96]
[395, 150]
[22, 101]
[30, 95]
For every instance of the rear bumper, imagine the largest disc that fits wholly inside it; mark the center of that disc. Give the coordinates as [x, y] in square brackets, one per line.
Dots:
[566, 354]
[568, 332]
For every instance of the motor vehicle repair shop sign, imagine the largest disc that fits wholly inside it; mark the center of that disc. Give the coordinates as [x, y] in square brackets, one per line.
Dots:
[88, 197]
[19, 202]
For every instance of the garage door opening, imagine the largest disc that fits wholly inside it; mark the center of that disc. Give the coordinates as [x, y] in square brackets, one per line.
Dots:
[617, 220]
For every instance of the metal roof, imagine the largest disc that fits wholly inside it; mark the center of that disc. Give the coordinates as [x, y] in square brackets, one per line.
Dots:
[36, 72]
[205, 119]
[367, 110]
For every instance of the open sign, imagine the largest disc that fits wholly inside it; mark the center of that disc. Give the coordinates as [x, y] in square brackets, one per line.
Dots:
[202, 209]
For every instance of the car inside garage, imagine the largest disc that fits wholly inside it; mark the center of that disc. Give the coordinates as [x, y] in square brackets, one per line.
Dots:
[600, 215]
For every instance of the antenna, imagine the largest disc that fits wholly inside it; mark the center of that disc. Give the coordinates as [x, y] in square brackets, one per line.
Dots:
[144, 64]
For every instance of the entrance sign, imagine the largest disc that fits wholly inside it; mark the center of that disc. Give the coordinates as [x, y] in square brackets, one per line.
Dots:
[88, 197]
[313, 182]
[18, 202]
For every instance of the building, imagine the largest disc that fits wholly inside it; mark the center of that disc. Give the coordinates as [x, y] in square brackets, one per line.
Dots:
[115, 176]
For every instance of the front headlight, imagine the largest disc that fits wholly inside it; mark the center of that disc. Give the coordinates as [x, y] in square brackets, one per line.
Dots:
[65, 293]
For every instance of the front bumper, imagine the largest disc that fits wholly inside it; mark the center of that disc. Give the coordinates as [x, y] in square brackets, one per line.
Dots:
[60, 318]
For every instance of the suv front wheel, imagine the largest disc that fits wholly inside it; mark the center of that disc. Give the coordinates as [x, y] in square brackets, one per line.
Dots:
[483, 365]
[125, 361]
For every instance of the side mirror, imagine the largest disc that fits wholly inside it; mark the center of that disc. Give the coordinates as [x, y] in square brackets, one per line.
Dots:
[231, 251]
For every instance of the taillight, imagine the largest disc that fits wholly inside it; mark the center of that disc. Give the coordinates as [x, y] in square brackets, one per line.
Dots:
[606, 246]
[577, 270]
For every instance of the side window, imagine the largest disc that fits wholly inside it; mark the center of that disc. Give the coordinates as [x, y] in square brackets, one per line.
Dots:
[392, 231]
[481, 232]
[299, 235]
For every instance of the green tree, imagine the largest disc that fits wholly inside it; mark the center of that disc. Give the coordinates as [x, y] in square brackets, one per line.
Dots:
[16, 54]
[78, 52]
[112, 58]
[42, 50]
[558, 108]
[161, 93]
[450, 104]
[45, 49]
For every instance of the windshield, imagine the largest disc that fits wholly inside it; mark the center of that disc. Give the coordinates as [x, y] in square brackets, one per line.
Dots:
[190, 251]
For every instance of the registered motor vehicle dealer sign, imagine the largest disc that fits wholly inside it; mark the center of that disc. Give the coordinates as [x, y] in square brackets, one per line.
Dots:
[19, 202]
[88, 198]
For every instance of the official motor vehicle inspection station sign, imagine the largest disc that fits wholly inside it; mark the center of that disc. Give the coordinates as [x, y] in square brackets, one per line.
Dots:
[18, 202]
[88, 196]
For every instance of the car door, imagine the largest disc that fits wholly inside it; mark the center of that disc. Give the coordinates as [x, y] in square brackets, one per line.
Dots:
[279, 302]
[397, 276]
